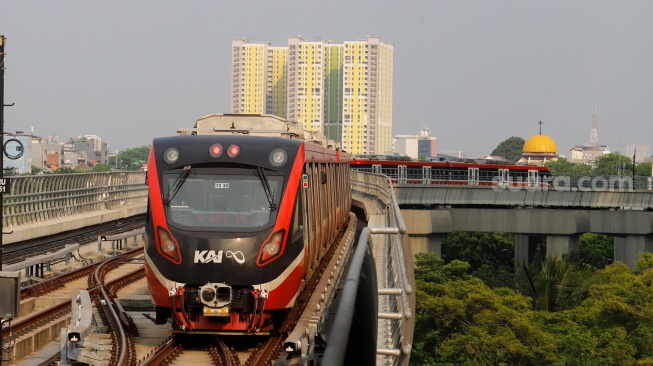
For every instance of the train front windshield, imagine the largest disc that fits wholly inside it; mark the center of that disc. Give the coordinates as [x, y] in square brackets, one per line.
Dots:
[221, 201]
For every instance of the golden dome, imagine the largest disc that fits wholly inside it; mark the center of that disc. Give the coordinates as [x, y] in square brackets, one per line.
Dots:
[540, 144]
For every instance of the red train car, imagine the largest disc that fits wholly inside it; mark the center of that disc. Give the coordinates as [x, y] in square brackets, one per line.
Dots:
[455, 173]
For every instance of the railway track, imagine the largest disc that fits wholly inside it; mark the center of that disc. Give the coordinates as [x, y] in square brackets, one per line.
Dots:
[45, 321]
[17, 252]
[182, 349]
[103, 282]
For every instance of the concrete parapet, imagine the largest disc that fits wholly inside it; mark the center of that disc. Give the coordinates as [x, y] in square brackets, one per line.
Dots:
[528, 221]
[49, 227]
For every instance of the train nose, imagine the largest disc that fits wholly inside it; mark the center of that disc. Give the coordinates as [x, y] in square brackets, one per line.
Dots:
[216, 294]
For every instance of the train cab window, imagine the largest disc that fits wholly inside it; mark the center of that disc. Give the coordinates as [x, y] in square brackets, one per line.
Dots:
[209, 201]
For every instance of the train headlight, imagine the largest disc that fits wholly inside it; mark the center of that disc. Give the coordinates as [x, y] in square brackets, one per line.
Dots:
[233, 151]
[272, 248]
[168, 246]
[215, 150]
[171, 155]
[278, 157]
[208, 294]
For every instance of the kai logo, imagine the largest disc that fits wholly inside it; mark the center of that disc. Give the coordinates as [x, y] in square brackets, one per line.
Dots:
[210, 256]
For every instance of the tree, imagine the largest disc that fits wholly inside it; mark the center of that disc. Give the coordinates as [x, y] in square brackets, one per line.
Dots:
[613, 164]
[66, 170]
[101, 168]
[617, 313]
[554, 284]
[460, 321]
[510, 148]
[644, 169]
[134, 158]
[560, 166]
[595, 250]
[490, 255]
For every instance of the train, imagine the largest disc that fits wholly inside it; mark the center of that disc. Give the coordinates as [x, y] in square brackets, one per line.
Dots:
[241, 210]
[407, 171]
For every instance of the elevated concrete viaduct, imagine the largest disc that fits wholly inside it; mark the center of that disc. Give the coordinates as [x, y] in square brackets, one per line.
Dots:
[633, 230]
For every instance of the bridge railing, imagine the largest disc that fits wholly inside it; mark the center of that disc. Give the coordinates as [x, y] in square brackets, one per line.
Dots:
[36, 198]
[625, 183]
[393, 260]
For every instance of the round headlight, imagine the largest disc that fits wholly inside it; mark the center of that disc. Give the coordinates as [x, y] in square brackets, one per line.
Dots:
[233, 151]
[278, 157]
[215, 150]
[272, 249]
[208, 294]
[171, 155]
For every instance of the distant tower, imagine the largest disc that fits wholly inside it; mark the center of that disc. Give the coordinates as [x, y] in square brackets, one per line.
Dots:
[594, 137]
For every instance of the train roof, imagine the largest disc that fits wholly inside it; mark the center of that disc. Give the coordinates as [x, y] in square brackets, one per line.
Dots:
[255, 125]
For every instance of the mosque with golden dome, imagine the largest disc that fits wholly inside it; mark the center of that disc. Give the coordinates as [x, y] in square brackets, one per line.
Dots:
[539, 149]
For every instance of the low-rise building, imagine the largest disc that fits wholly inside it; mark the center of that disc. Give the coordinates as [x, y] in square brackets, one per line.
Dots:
[422, 145]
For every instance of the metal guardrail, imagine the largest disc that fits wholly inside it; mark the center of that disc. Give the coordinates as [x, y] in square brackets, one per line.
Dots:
[394, 277]
[623, 183]
[44, 259]
[37, 198]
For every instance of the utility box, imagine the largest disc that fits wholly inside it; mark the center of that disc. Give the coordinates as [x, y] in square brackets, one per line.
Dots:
[9, 294]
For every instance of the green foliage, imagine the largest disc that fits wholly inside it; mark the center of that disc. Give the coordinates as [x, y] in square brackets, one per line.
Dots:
[619, 314]
[461, 321]
[134, 158]
[36, 170]
[101, 168]
[562, 166]
[643, 169]
[490, 255]
[613, 164]
[554, 284]
[644, 263]
[610, 164]
[582, 169]
[595, 250]
[66, 170]
[510, 148]
[430, 268]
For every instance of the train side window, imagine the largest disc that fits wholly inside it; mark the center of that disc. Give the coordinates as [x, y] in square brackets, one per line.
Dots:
[297, 228]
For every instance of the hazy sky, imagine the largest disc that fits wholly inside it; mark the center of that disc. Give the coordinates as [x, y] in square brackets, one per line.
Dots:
[477, 72]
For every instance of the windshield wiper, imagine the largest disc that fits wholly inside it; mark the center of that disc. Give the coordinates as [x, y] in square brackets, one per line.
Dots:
[266, 187]
[181, 178]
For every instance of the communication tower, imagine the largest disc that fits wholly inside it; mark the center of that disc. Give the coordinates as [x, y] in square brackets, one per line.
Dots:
[594, 136]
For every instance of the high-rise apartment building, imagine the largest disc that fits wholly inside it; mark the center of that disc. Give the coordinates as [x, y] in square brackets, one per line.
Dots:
[341, 90]
[640, 151]
[367, 109]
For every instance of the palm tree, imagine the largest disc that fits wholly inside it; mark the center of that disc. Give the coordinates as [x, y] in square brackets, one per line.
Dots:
[554, 284]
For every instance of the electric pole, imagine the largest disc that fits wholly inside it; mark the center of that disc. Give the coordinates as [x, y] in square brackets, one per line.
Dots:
[2, 133]
[2, 159]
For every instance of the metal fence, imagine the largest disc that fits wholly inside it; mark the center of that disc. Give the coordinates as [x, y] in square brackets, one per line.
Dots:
[37, 198]
[394, 268]
[404, 177]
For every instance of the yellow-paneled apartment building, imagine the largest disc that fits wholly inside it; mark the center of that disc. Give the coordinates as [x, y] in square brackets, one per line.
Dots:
[342, 90]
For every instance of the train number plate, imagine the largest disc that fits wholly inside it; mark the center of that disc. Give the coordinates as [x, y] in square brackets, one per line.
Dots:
[222, 185]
